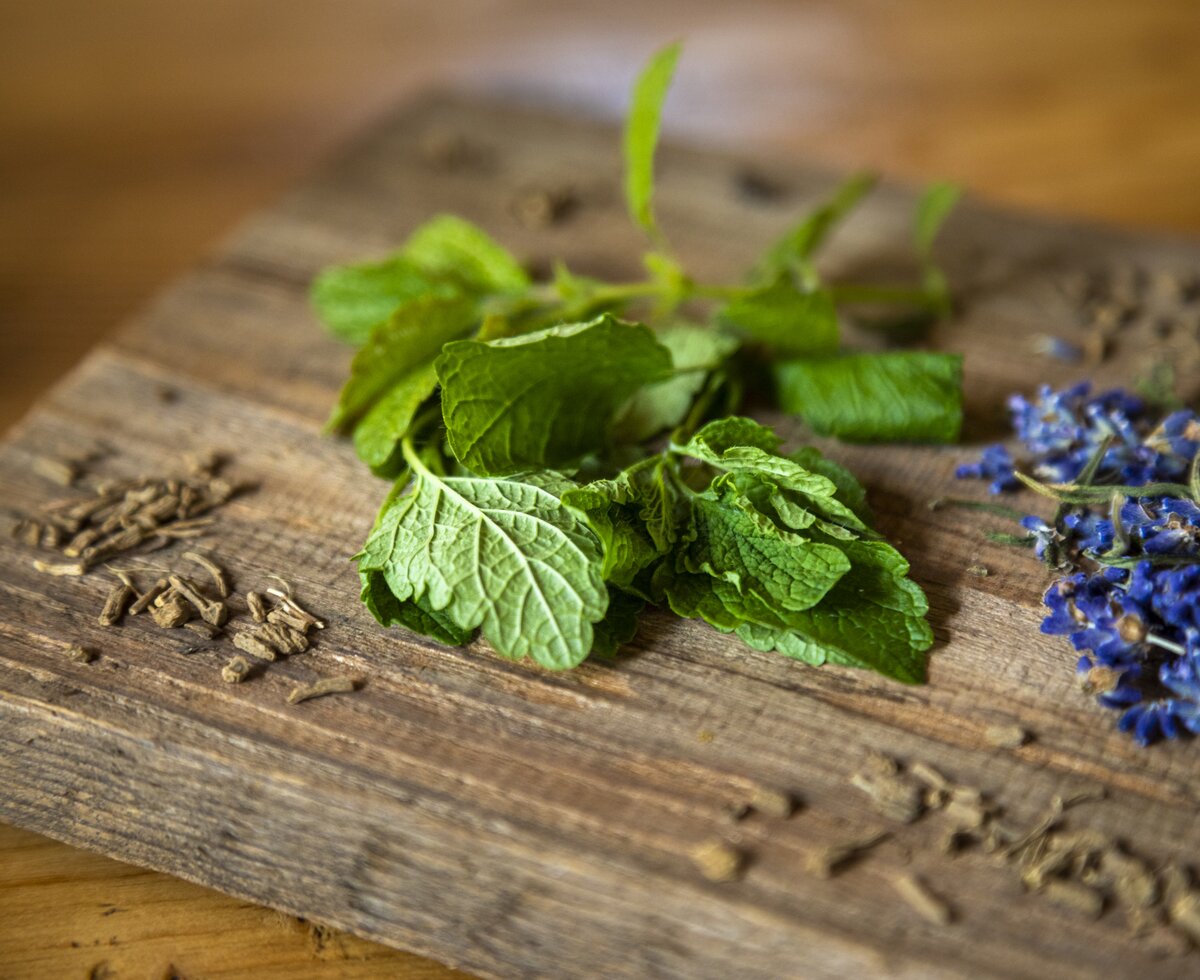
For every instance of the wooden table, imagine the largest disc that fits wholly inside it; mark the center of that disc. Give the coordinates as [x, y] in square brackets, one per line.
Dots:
[1081, 108]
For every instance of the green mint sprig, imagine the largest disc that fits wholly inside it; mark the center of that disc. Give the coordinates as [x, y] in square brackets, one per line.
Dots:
[567, 451]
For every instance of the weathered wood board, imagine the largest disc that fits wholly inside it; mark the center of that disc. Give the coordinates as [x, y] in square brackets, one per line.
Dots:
[513, 821]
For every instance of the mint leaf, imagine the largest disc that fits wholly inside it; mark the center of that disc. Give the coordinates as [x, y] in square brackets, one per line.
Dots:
[933, 207]
[619, 624]
[637, 516]
[796, 248]
[873, 618]
[377, 435]
[711, 441]
[805, 490]
[908, 396]
[739, 545]
[641, 135]
[849, 491]
[410, 339]
[448, 245]
[543, 399]
[353, 299]
[412, 614]
[501, 555]
[790, 321]
[695, 352]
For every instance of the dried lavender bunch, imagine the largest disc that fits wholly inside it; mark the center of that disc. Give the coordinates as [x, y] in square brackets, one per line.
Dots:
[1127, 535]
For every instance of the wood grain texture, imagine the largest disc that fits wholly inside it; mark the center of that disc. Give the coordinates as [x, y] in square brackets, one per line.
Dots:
[517, 822]
[91, 916]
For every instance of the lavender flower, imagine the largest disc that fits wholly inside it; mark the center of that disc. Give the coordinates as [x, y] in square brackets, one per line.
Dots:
[1137, 627]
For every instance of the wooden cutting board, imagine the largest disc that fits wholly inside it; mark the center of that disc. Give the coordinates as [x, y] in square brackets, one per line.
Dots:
[517, 822]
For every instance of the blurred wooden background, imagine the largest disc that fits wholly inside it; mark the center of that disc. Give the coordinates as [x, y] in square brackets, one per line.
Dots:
[134, 132]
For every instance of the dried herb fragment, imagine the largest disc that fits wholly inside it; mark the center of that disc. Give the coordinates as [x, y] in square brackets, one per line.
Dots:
[235, 671]
[254, 646]
[924, 902]
[717, 860]
[115, 605]
[327, 685]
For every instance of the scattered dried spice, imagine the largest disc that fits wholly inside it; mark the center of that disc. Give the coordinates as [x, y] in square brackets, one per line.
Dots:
[211, 611]
[219, 576]
[72, 568]
[257, 606]
[173, 612]
[924, 902]
[80, 655]
[148, 597]
[828, 861]
[1005, 736]
[115, 605]
[235, 671]
[254, 646]
[716, 860]
[206, 630]
[62, 472]
[772, 802]
[892, 794]
[327, 685]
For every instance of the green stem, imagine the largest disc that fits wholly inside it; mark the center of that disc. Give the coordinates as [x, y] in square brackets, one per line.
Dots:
[414, 460]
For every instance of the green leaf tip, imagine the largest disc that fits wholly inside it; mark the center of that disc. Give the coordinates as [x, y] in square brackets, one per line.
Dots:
[641, 135]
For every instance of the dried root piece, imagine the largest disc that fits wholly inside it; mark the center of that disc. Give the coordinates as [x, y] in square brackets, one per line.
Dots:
[715, 859]
[1073, 895]
[219, 576]
[80, 655]
[290, 605]
[72, 568]
[60, 471]
[257, 606]
[772, 802]
[921, 900]
[891, 795]
[829, 861]
[252, 645]
[284, 639]
[144, 601]
[212, 612]
[115, 605]
[1006, 736]
[327, 685]
[235, 671]
[173, 612]
[206, 630]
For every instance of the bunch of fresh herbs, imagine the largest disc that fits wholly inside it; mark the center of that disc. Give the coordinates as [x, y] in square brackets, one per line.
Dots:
[565, 452]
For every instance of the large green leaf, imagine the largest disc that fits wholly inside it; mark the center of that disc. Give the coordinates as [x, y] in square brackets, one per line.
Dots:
[695, 352]
[543, 399]
[873, 618]
[354, 299]
[732, 541]
[790, 321]
[641, 135]
[377, 435]
[448, 245]
[412, 614]
[409, 340]
[498, 554]
[907, 396]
